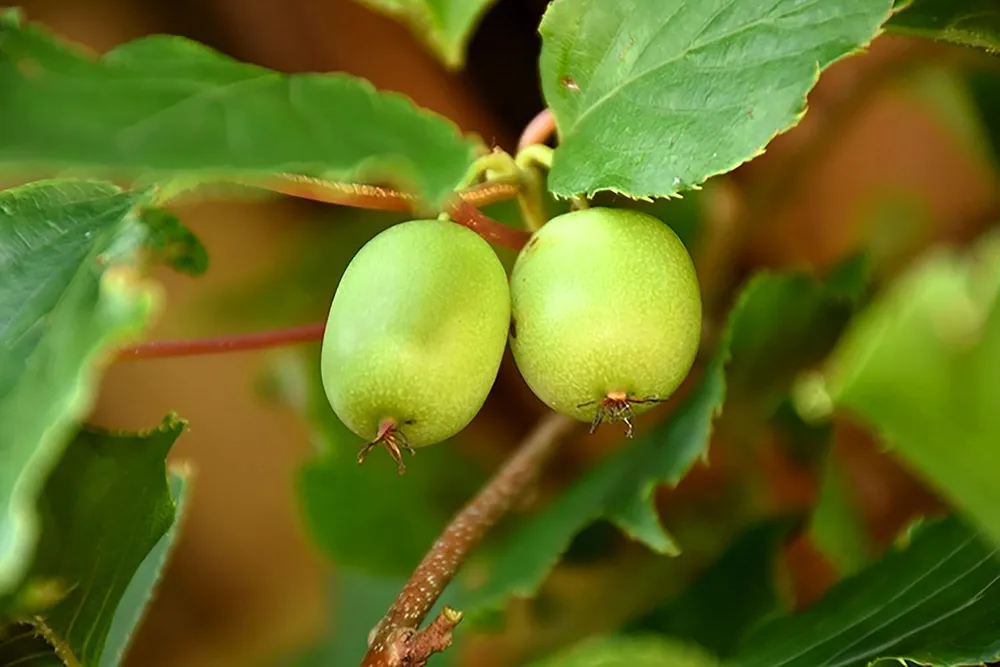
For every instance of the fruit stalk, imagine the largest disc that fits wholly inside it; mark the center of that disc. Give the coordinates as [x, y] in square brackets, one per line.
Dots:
[395, 641]
[494, 232]
[538, 130]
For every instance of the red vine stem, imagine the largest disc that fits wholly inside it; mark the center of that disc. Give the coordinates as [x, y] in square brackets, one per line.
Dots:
[538, 130]
[495, 232]
[234, 343]
[395, 641]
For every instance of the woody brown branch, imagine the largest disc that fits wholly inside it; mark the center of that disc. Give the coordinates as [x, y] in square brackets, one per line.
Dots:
[394, 642]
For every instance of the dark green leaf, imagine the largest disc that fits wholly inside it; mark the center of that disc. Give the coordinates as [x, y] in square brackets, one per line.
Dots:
[795, 320]
[173, 243]
[444, 25]
[730, 596]
[140, 590]
[984, 86]
[22, 646]
[631, 652]
[837, 528]
[69, 292]
[106, 507]
[936, 602]
[652, 97]
[349, 509]
[964, 22]
[169, 107]
[920, 365]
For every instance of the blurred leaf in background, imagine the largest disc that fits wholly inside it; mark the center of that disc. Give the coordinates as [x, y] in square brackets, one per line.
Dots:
[964, 22]
[719, 607]
[445, 26]
[631, 652]
[919, 365]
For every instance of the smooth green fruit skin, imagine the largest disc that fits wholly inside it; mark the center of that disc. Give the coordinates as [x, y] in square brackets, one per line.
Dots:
[604, 300]
[416, 332]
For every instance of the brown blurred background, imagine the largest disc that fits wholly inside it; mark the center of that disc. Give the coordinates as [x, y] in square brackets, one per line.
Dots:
[245, 583]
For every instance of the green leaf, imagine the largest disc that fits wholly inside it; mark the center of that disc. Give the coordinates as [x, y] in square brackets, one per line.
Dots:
[106, 509]
[973, 23]
[984, 87]
[735, 592]
[444, 25]
[837, 527]
[174, 244]
[138, 594]
[631, 652]
[21, 645]
[169, 107]
[920, 365]
[936, 602]
[348, 509]
[652, 97]
[69, 293]
[794, 322]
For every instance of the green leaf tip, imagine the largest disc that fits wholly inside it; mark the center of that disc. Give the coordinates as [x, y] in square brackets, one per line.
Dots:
[444, 27]
[652, 98]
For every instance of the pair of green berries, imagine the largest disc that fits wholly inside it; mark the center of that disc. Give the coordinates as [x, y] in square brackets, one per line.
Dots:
[602, 312]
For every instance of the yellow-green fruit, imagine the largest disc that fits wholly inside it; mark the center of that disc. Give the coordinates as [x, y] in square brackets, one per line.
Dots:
[606, 313]
[416, 332]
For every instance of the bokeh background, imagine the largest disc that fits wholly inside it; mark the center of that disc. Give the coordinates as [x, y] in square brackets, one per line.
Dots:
[893, 155]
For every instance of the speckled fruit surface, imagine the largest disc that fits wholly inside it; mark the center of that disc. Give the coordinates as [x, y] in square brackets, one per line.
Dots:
[416, 332]
[604, 301]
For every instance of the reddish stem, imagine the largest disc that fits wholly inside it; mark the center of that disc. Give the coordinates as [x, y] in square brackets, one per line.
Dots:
[495, 232]
[229, 343]
[394, 641]
[538, 130]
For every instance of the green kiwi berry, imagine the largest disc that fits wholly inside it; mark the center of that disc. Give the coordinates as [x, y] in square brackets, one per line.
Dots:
[606, 313]
[415, 335]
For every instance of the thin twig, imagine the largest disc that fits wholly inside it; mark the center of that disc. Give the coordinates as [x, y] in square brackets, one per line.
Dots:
[231, 343]
[538, 130]
[395, 642]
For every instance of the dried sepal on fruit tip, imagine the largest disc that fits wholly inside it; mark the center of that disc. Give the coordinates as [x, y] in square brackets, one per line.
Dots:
[393, 439]
[617, 406]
